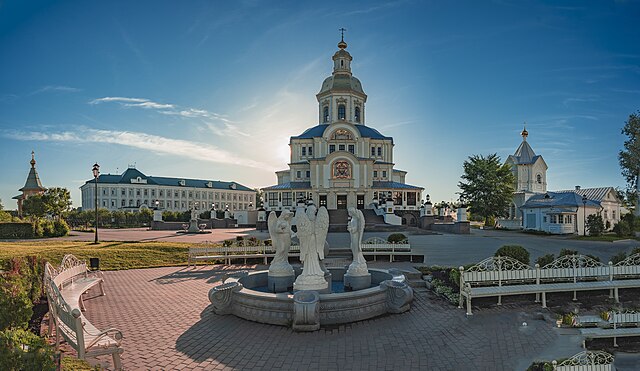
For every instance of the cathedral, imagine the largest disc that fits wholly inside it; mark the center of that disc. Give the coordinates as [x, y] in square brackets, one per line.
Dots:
[342, 162]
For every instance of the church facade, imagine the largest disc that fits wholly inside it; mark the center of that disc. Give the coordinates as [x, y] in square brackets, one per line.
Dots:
[342, 162]
[556, 212]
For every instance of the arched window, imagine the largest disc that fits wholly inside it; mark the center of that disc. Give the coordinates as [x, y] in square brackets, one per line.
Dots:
[342, 112]
[341, 170]
[325, 114]
[539, 179]
[357, 114]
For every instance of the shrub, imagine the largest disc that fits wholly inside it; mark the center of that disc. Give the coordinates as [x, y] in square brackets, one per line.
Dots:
[16, 230]
[545, 259]
[617, 258]
[442, 289]
[516, 252]
[622, 229]
[565, 252]
[23, 350]
[227, 242]
[15, 304]
[636, 250]
[397, 238]
[595, 225]
[60, 228]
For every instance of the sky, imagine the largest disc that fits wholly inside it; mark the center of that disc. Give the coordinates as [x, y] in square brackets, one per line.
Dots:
[215, 89]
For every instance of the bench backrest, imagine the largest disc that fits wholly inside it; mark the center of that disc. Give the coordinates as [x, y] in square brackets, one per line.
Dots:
[68, 321]
[624, 318]
[70, 268]
[586, 361]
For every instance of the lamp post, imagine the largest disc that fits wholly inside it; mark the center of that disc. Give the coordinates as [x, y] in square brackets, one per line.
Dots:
[584, 215]
[96, 174]
[157, 203]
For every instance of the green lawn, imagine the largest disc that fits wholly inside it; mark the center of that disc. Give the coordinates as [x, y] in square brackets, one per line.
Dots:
[113, 255]
[606, 238]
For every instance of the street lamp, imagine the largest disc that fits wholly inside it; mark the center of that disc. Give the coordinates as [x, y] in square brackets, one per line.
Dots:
[96, 174]
[157, 204]
[584, 215]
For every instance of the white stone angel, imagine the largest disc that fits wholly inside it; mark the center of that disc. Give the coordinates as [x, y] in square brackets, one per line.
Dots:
[356, 231]
[280, 232]
[312, 233]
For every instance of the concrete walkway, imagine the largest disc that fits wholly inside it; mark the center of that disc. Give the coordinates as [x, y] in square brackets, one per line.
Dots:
[167, 323]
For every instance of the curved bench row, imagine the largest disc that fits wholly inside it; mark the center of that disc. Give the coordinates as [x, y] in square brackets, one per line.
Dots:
[65, 287]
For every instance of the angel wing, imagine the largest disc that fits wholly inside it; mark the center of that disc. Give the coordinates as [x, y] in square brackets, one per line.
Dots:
[321, 227]
[360, 226]
[304, 232]
[271, 224]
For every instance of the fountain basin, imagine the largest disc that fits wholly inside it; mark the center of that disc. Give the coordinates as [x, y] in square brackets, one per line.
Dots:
[238, 296]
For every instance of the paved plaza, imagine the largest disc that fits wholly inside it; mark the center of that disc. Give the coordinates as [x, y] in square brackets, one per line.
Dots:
[439, 249]
[167, 323]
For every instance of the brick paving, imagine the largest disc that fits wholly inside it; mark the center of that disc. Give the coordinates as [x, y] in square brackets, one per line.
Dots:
[165, 317]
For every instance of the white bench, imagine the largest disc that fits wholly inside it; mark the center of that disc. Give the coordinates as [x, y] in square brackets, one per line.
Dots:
[227, 253]
[624, 324]
[500, 276]
[586, 361]
[64, 288]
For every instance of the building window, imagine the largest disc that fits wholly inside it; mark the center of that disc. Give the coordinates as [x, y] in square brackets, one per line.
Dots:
[273, 199]
[379, 151]
[304, 151]
[153, 192]
[373, 151]
[184, 194]
[397, 198]
[544, 219]
[352, 148]
[332, 148]
[375, 174]
[341, 147]
[341, 170]
[161, 193]
[137, 192]
[411, 199]
[123, 192]
[310, 151]
[342, 112]
[613, 215]
[325, 114]
[357, 114]
[539, 179]
[123, 203]
[298, 176]
[384, 174]
[286, 198]
[308, 173]
[146, 192]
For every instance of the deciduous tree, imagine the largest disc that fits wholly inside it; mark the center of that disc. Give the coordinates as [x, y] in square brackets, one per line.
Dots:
[630, 156]
[487, 186]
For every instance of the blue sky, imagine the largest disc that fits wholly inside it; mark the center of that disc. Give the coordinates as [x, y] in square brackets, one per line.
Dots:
[214, 89]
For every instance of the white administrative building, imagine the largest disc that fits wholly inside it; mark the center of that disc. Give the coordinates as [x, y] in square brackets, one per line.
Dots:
[133, 190]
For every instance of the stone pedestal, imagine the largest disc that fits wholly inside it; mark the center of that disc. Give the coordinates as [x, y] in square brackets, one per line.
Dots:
[193, 226]
[355, 283]
[280, 283]
[308, 283]
[306, 311]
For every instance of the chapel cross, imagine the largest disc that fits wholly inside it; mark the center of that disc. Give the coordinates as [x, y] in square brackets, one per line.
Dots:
[342, 33]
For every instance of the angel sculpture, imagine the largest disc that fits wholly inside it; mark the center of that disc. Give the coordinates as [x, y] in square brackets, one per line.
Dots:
[356, 229]
[280, 232]
[312, 233]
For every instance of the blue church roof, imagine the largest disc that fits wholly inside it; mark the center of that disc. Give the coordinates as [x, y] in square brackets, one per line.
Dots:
[365, 131]
[558, 199]
[393, 185]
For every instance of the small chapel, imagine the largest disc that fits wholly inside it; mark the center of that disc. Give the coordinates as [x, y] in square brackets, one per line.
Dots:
[32, 186]
[557, 212]
[342, 162]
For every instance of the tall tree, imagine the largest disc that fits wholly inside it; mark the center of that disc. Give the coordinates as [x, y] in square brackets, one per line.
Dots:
[34, 206]
[487, 186]
[57, 201]
[630, 156]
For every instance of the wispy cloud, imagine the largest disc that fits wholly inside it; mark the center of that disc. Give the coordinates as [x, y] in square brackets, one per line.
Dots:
[56, 88]
[154, 143]
[226, 127]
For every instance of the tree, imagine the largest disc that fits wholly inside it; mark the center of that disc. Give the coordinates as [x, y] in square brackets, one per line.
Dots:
[595, 225]
[487, 186]
[57, 201]
[34, 206]
[629, 157]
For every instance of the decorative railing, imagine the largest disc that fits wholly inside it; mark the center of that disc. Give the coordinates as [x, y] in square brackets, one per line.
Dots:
[586, 361]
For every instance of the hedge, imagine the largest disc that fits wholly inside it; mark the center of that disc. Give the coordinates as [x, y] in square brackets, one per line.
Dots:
[16, 230]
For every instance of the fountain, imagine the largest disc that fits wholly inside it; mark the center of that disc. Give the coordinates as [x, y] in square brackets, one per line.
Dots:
[316, 296]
